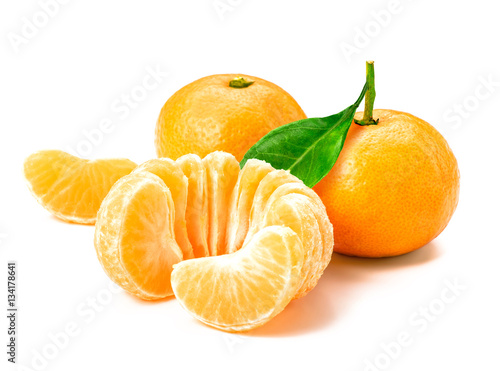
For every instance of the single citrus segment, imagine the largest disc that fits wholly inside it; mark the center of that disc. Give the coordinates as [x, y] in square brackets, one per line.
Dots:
[240, 291]
[209, 115]
[298, 213]
[72, 188]
[222, 171]
[282, 199]
[241, 202]
[197, 203]
[175, 180]
[135, 238]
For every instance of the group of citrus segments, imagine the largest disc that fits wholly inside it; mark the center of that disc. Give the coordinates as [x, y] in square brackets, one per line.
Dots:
[234, 246]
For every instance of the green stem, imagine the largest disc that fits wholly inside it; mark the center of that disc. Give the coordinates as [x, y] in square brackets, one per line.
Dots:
[240, 82]
[369, 97]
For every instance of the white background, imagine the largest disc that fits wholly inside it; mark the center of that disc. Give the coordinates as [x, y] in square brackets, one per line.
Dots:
[431, 59]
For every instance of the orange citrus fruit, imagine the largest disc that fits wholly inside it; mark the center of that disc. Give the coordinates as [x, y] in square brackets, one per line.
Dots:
[393, 188]
[209, 115]
[72, 188]
[262, 237]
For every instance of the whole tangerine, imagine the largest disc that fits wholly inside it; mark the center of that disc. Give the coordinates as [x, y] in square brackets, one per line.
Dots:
[393, 188]
[227, 112]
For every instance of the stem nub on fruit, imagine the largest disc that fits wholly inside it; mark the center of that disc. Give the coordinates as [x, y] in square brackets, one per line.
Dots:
[240, 83]
[369, 97]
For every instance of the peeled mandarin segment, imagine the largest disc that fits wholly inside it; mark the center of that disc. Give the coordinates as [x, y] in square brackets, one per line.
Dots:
[278, 184]
[327, 236]
[197, 203]
[294, 211]
[134, 237]
[266, 187]
[222, 172]
[319, 210]
[71, 188]
[45, 168]
[242, 200]
[173, 177]
[244, 290]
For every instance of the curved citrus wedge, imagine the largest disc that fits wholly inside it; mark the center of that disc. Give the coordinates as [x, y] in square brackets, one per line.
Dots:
[135, 238]
[242, 201]
[240, 291]
[299, 207]
[177, 183]
[265, 189]
[72, 188]
[222, 173]
[197, 203]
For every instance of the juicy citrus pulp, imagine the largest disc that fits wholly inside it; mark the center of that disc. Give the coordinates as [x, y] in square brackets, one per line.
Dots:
[71, 188]
[262, 237]
[136, 246]
[240, 291]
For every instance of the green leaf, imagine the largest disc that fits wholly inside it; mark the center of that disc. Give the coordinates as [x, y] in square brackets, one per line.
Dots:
[308, 148]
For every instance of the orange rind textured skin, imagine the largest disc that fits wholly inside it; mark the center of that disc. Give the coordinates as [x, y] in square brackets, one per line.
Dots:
[208, 115]
[393, 188]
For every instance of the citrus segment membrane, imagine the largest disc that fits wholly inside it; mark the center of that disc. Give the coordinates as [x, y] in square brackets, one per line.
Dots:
[265, 189]
[197, 203]
[71, 188]
[242, 200]
[282, 199]
[321, 250]
[222, 172]
[294, 211]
